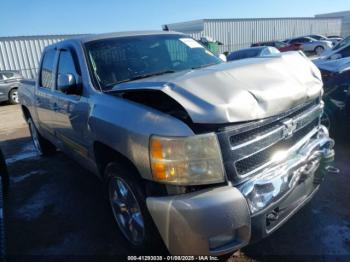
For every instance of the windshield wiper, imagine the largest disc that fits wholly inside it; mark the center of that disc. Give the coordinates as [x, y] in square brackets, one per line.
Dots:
[168, 71]
[205, 65]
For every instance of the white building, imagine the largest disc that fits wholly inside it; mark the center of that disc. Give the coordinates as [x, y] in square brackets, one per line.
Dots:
[240, 33]
[345, 16]
[23, 53]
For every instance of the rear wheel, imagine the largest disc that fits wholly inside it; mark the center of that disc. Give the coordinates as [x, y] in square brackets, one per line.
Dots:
[13, 96]
[43, 146]
[128, 203]
[319, 50]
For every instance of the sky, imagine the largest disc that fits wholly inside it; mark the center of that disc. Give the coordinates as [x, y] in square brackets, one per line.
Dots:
[38, 17]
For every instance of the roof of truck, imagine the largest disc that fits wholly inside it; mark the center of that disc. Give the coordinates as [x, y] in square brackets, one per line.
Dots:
[93, 37]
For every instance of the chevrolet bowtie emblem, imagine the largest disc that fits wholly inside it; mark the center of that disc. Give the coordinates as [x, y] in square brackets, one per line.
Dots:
[290, 127]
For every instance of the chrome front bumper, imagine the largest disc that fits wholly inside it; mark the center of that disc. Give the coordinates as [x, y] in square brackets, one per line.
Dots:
[220, 220]
[302, 161]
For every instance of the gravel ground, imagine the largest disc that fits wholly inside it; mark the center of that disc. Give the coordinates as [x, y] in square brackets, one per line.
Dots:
[55, 210]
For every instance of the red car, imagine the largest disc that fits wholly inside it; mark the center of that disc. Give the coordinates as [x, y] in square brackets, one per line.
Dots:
[282, 47]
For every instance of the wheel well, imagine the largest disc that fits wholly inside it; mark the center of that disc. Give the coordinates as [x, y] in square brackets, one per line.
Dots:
[105, 154]
[26, 112]
[318, 47]
[12, 88]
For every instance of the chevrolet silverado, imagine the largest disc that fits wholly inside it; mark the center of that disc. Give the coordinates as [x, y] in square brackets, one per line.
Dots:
[201, 155]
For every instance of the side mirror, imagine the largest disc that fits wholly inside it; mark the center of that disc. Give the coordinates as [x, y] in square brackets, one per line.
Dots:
[223, 57]
[67, 84]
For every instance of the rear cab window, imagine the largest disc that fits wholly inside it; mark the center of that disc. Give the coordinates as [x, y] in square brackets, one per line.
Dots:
[47, 69]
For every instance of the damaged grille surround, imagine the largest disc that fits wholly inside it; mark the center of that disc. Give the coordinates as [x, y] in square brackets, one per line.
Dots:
[248, 150]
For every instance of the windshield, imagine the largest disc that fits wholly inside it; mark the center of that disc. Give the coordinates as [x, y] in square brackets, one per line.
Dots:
[245, 53]
[343, 43]
[123, 59]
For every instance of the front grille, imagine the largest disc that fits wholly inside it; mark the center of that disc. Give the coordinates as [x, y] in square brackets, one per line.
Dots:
[250, 163]
[253, 133]
[249, 148]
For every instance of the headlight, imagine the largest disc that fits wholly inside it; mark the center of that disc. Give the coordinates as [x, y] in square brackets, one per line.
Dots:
[194, 160]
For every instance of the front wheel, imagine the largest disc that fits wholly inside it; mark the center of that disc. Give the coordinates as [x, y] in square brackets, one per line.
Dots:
[43, 146]
[128, 203]
[13, 96]
[319, 50]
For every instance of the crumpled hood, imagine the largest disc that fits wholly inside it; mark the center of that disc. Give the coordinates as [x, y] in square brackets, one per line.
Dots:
[239, 91]
[336, 66]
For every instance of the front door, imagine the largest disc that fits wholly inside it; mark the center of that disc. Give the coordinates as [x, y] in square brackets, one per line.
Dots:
[72, 110]
[45, 101]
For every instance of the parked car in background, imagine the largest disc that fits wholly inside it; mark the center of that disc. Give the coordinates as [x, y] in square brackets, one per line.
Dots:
[341, 50]
[252, 52]
[203, 155]
[334, 39]
[336, 80]
[9, 83]
[281, 46]
[311, 45]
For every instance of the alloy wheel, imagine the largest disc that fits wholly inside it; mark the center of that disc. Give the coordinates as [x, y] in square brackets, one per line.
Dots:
[126, 211]
[14, 96]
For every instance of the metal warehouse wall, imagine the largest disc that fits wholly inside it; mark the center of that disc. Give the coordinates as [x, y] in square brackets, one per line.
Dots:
[23, 53]
[240, 33]
[345, 16]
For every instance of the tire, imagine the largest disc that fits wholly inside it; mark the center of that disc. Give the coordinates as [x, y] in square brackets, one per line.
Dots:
[13, 96]
[319, 50]
[126, 196]
[42, 145]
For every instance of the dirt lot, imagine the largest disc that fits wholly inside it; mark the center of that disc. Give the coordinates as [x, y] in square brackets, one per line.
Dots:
[56, 210]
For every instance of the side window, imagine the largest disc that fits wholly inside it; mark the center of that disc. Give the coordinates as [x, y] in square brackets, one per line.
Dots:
[8, 75]
[299, 40]
[265, 52]
[47, 74]
[280, 45]
[66, 64]
[1, 78]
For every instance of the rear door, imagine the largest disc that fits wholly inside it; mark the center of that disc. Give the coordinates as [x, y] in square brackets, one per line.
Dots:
[3, 89]
[45, 101]
[72, 110]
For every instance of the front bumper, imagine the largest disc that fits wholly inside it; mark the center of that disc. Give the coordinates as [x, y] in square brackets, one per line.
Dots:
[220, 220]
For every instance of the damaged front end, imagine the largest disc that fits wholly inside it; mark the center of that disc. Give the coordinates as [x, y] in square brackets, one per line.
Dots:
[278, 166]
[273, 168]
[274, 150]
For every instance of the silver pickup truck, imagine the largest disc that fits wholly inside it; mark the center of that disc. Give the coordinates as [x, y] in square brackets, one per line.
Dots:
[201, 155]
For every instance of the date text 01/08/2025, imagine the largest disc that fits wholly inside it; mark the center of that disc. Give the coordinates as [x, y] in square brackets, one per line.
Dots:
[172, 258]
